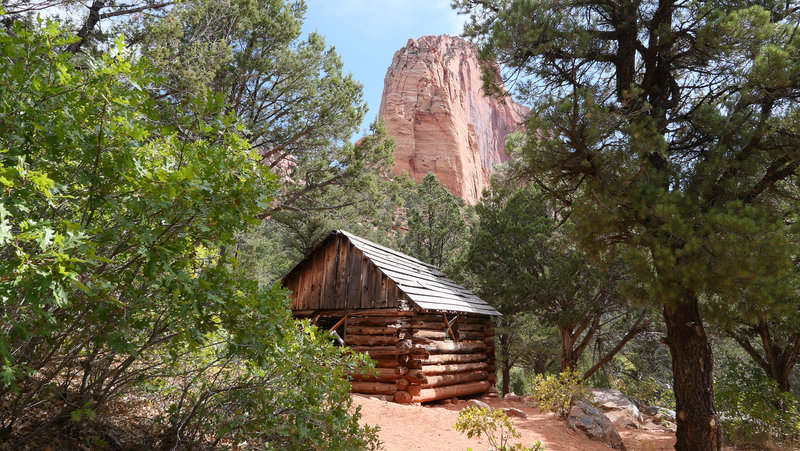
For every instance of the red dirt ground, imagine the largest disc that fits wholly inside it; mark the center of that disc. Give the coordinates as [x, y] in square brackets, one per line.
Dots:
[430, 427]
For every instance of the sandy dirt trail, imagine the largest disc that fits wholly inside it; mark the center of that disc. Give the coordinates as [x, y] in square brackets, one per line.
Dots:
[430, 427]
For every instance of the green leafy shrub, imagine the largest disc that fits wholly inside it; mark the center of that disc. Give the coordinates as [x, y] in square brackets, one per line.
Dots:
[558, 393]
[754, 411]
[520, 382]
[495, 425]
[115, 221]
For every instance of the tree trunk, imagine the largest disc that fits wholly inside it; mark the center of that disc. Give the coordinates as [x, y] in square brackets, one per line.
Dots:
[540, 364]
[777, 361]
[88, 27]
[569, 360]
[506, 368]
[637, 328]
[504, 352]
[692, 370]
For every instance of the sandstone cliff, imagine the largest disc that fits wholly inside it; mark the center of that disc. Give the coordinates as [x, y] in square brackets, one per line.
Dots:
[440, 118]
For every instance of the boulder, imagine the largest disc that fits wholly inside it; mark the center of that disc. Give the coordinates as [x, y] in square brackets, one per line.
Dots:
[434, 107]
[514, 412]
[622, 419]
[585, 417]
[620, 409]
[479, 404]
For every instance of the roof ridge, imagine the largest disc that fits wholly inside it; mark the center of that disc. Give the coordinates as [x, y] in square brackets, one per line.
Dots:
[386, 249]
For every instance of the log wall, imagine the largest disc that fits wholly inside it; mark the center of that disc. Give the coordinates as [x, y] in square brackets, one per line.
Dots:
[417, 358]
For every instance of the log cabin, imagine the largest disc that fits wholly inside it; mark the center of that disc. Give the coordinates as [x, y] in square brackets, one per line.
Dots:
[430, 337]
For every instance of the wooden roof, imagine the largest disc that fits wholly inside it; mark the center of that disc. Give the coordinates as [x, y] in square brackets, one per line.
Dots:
[423, 284]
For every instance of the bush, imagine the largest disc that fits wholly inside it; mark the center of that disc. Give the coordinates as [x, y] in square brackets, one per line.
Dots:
[495, 425]
[520, 382]
[115, 218]
[558, 393]
[754, 411]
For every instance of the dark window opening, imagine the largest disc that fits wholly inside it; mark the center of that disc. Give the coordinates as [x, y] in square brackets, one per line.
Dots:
[451, 325]
[334, 324]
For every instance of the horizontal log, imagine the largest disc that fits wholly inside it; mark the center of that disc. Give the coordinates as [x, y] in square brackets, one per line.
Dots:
[454, 379]
[370, 340]
[385, 363]
[442, 335]
[391, 329]
[478, 327]
[377, 321]
[377, 374]
[435, 325]
[432, 334]
[486, 329]
[444, 392]
[374, 388]
[466, 347]
[456, 358]
[475, 335]
[454, 368]
[376, 350]
[389, 350]
[413, 389]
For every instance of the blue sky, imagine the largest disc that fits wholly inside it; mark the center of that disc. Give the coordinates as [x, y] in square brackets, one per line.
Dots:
[366, 33]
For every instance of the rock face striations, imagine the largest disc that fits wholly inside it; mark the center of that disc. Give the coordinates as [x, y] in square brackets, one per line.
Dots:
[442, 122]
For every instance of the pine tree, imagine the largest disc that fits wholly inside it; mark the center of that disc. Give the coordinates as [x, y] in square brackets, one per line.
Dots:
[668, 129]
[436, 225]
[523, 262]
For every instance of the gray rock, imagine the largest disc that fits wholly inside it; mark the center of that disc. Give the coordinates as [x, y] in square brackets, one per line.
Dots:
[585, 417]
[622, 419]
[479, 404]
[514, 412]
[613, 400]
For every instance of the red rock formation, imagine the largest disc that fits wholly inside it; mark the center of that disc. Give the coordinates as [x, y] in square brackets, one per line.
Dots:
[442, 122]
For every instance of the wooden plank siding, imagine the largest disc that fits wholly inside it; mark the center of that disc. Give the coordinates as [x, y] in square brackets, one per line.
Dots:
[338, 276]
[341, 274]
